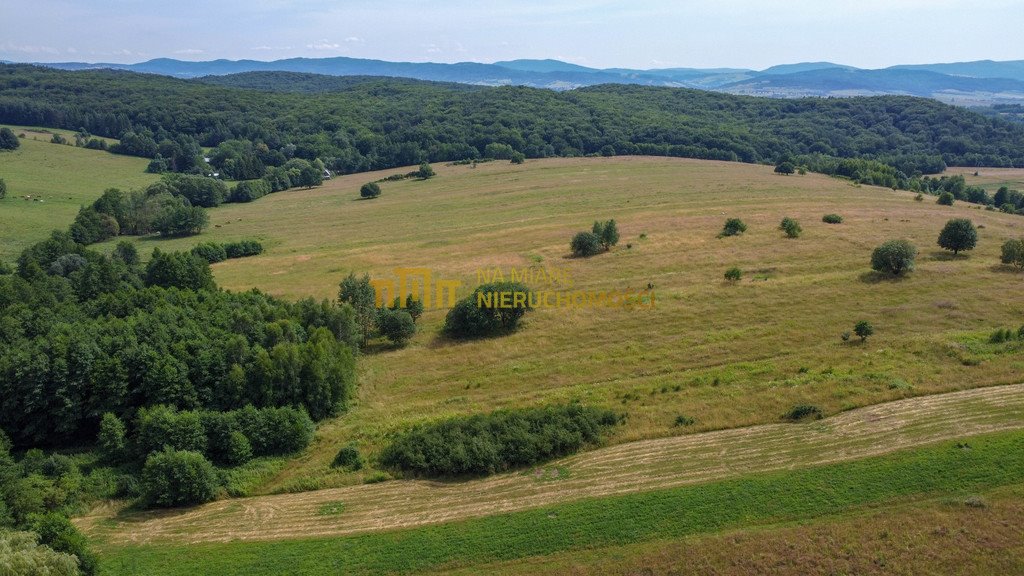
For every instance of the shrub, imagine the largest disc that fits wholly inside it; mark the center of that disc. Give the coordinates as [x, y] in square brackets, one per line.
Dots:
[863, 329]
[58, 533]
[21, 554]
[1013, 253]
[791, 227]
[396, 325]
[243, 248]
[502, 440]
[210, 251]
[919, 197]
[946, 199]
[249, 190]
[348, 457]
[370, 190]
[425, 171]
[173, 478]
[832, 219]
[518, 158]
[958, 234]
[733, 274]
[3, 189]
[585, 244]
[894, 257]
[683, 421]
[733, 227]
[786, 168]
[802, 411]
[607, 232]
[8, 140]
[491, 309]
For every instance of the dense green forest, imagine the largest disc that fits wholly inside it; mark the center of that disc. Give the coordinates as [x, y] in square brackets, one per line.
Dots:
[383, 123]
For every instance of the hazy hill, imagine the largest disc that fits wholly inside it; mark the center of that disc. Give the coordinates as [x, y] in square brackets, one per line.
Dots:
[978, 82]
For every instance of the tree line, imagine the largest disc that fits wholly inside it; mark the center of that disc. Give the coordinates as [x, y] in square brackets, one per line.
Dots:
[379, 123]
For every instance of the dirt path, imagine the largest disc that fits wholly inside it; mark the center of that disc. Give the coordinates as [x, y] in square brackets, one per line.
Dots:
[631, 467]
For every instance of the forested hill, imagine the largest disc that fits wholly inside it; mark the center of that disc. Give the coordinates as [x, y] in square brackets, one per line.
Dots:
[383, 123]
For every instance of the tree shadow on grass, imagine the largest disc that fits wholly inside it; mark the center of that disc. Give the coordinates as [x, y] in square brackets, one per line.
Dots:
[946, 256]
[875, 277]
[1006, 269]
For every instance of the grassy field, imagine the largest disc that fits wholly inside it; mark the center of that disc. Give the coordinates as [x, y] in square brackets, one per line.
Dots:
[619, 469]
[952, 470]
[59, 180]
[975, 535]
[992, 179]
[725, 355]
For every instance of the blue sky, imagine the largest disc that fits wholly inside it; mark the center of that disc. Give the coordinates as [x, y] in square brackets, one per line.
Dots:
[635, 34]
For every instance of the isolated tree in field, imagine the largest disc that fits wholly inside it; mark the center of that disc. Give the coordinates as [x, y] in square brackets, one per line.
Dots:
[958, 234]
[585, 244]
[1013, 253]
[894, 257]
[178, 478]
[733, 227]
[863, 329]
[518, 158]
[607, 232]
[733, 274]
[425, 171]
[946, 199]
[370, 190]
[396, 325]
[786, 168]
[8, 141]
[791, 227]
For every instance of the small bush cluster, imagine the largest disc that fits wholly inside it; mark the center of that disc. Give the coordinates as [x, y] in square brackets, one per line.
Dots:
[733, 227]
[1013, 253]
[894, 257]
[482, 313]
[226, 438]
[601, 238]
[502, 440]
[1006, 335]
[733, 274]
[249, 190]
[348, 458]
[791, 227]
[369, 190]
[803, 411]
[214, 252]
[863, 329]
[832, 219]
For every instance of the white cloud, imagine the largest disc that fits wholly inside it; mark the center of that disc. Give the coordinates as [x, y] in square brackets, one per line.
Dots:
[271, 48]
[323, 45]
[354, 40]
[188, 51]
[30, 48]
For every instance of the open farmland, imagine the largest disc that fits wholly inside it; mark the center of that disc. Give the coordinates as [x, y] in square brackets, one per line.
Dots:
[58, 181]
[724, 355]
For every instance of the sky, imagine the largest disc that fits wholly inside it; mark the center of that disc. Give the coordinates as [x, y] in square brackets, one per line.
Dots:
[634, 34]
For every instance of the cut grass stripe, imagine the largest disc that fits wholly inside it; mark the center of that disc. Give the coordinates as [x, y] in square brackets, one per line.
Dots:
[989, 461]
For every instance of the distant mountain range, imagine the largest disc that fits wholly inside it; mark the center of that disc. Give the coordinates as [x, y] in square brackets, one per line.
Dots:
[968, 83]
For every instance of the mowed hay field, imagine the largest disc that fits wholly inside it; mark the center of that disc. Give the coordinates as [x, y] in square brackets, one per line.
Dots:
[63, 177]
[724, 355]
